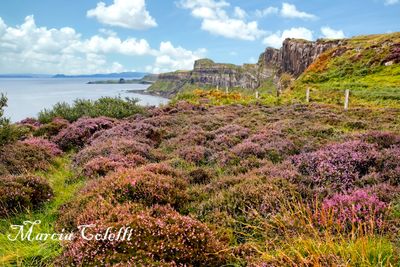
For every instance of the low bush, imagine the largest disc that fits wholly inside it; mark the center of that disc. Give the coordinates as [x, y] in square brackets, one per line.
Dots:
[52, 128]
[101, 166]
[77, 134]
[357, 208]
[43, 144]
[160, 237]
[139, 131]
[20, 193]
[195, 154]
[20, 158]
[338, 166]
[112, 147]
[113, 107]
[149, 185]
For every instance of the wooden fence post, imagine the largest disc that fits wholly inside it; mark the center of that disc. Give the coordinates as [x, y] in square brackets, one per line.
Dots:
[308, 95]
[346, 99]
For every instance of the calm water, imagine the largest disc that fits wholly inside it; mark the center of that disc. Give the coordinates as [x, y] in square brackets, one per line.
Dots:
[26, 97]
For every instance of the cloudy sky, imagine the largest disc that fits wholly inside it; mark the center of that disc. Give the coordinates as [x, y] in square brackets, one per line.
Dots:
[94, 36]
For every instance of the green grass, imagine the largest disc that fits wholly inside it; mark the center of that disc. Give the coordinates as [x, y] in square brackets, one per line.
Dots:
[358, 65]
[37, 253]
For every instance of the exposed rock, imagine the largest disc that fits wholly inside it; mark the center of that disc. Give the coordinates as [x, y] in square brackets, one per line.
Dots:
[297, 55]
[207, 73]
[293, 58]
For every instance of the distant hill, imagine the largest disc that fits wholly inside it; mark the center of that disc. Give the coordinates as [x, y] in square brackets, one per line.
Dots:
[28, 75]
[135, 75]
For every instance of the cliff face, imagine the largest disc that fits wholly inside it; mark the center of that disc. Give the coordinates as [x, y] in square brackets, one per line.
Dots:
[293, 58]
[207, 73]
[295, 55]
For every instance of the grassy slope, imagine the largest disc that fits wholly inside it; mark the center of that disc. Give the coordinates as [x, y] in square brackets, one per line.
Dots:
[35, 253]
[357, 65]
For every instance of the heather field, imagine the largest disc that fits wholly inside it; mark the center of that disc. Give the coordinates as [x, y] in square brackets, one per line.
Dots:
[204, 185]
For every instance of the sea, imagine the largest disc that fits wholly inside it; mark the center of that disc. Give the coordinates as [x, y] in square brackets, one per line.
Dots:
[28, 96]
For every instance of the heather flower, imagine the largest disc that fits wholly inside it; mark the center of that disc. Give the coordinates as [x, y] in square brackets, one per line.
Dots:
[356, 208]
[382, 139]
[160, 237]
[113, 146]
[44, 144]
[139, 131]
[101, 166]
[30, 123]
[389, 165]
[20, 158]
[195, 154]
[338, 165]
[229, 135]
[19, 193]
[78, 133]
[53, 128]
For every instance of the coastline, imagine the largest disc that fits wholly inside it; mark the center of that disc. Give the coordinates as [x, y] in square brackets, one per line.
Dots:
[146, 92]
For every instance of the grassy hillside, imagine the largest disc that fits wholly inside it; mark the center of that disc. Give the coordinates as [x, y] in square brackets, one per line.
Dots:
[367, 65]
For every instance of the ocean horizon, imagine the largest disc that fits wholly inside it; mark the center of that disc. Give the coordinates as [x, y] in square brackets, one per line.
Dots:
[28, 96]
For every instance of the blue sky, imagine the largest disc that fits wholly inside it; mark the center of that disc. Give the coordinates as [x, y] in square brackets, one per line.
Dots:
[93, 36]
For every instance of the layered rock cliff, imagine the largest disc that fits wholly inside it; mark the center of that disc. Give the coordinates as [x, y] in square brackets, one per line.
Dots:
[293, 58]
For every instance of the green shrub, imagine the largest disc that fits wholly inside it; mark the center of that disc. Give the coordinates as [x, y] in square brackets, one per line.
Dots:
[8, 132]
[113, 107]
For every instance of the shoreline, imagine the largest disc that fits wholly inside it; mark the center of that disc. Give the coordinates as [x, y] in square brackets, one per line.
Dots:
[146, 92]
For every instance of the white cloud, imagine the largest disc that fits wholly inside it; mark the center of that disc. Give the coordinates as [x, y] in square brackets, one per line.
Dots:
[170, 58]
[215, 19]
[28, 48]
[276, 39]
[239, 13]
[267, 11]
[130, 14]
[330, 33]
[290, 11]
[391, 2]
[107, 32]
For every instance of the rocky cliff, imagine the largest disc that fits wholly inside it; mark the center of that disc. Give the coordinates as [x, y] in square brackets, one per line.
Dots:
[207, 73]
[295, 55]
[293, 58]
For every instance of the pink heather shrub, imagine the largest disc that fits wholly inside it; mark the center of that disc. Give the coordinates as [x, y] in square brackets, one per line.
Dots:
[31, 123]
[19, 193]
[390, 165]
[101, 166]
[149, 185]
[194, 137]
[77, 134]
[139, 131]
[160, 237]
[50, 147]
[195, 154]
[248, 148]
[113, 146]
[228, 136]
[19, 158]
[357, 208]
[53, 128]
[242, 196]
[381, 139]
[338, 165]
